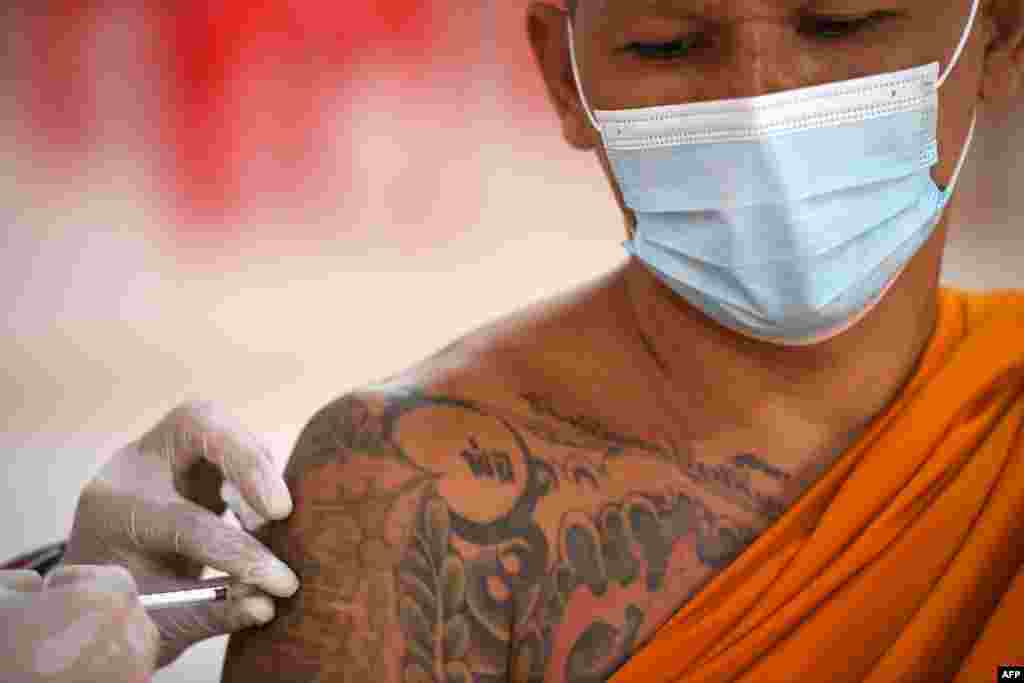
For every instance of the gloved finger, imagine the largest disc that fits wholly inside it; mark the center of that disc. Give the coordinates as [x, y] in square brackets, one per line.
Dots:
[201, 430]
[180, 627]
[21, 580]
[247, 517]
[70, 629]
[71, 573]
[105, 578]
[139, 642]
[125, 647]
[186, 529]
[107, 635]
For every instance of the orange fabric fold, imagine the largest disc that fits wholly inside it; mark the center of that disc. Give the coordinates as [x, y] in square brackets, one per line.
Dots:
[905, 561]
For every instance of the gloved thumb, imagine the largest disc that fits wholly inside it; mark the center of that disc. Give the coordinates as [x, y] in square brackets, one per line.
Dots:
[183, 626]
[110, 579]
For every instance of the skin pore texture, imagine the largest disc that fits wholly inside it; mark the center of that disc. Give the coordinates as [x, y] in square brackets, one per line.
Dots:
[535, 500]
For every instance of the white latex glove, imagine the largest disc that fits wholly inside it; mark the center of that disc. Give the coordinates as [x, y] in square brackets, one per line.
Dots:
[85, 623]
[155, 508]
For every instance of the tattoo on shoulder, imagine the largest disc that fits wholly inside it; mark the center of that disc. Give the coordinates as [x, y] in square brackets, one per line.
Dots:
[584, 431]
[488, 548]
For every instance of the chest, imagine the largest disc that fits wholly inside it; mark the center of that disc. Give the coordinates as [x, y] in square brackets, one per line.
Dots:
[606, 531]
[630, 532]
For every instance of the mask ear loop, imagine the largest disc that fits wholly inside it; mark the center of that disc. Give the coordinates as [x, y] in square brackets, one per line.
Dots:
[576, 76]
[959, 48]
[963, 157]
[630, 225]
[974, 117]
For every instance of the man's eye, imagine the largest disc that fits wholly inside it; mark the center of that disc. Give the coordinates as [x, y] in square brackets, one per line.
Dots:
[832, 28]
[822, 27]
[673, 50]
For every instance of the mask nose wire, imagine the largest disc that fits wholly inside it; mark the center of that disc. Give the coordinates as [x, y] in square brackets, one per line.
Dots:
[959, 48]
[579, 82]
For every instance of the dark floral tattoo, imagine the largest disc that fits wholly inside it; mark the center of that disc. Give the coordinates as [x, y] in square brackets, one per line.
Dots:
[441, 540]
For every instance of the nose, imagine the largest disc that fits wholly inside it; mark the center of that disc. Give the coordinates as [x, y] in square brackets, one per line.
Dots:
[759, 56]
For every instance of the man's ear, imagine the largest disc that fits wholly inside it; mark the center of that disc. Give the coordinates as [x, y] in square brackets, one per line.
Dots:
[1003, 79]
[549, 40]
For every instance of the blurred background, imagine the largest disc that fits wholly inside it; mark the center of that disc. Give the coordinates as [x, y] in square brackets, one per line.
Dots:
[267, 207]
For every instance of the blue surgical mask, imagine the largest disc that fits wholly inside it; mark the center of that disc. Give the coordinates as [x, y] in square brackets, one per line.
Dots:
[784, 217]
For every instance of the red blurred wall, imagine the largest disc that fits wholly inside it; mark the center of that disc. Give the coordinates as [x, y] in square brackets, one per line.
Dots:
[292, 61]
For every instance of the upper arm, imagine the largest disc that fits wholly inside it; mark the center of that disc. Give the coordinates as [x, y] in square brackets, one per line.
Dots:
[379, 541]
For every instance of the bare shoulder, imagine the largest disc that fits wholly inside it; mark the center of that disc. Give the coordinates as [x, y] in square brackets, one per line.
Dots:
[410, 509]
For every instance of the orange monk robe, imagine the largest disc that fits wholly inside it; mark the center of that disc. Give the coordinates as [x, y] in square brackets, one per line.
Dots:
[905, 561]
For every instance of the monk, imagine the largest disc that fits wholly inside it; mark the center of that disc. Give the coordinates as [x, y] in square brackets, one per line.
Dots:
[689, 469]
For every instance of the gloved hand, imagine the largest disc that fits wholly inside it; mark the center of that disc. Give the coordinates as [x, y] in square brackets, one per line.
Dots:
[85, 623]
[155, 509]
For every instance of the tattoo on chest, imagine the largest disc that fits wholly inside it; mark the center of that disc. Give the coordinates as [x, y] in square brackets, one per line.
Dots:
[488, 464]
[540, 547]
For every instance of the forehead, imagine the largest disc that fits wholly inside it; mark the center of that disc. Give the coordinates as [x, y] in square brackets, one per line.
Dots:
[737, 8]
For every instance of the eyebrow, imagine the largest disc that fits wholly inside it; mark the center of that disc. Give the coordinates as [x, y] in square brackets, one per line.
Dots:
[668, 8]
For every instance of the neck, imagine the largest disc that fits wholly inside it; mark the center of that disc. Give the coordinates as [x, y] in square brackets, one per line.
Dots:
[818, 395]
